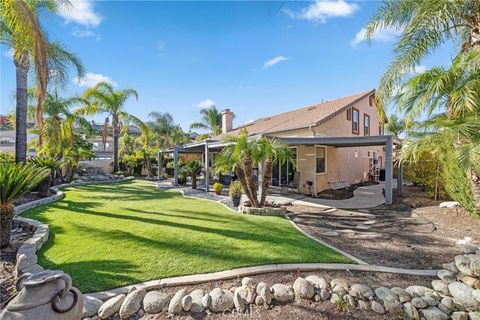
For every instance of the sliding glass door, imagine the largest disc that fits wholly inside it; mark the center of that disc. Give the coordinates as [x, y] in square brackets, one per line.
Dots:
[283, 175]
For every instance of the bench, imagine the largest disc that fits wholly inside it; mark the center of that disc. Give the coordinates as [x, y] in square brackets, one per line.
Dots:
[340, 184]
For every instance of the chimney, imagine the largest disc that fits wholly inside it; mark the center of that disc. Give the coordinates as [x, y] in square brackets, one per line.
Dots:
[227, 120]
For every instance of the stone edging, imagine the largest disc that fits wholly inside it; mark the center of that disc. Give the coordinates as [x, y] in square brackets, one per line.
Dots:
[248, 271]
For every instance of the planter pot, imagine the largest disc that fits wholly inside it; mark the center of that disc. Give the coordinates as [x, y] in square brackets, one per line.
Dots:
[44, 187]
[218, 192]
[236, 200]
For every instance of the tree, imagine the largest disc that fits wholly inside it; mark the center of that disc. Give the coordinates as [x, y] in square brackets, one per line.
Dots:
[211, 120]
[242, 154]
[193, 168]
[147, 148]
[15, 180]
[395, 125]
[20, 29]
[426, 25]
[102, 98]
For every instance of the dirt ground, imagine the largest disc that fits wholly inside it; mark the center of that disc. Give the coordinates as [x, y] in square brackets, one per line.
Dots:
[27, 197]
[413, 233]
[301, 309]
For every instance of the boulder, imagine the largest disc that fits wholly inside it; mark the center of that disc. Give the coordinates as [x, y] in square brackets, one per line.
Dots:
[175, 305]
[410, 311]
[418, 291]
[433, 314]
[430, 301]
[459, 315]
[468, 264]
[324, 294]
[154, 301]
[363, 305]
[377, 307]
[239, 299]
[111, 306]
[303, 289]
[440, 286]
[361, 291]
[350, 300]
[90, 306]
[395, 309]
[469, 248]
[206, 301]
[447, 276]
[248, 282]
[403, 295]
[266, 295]
[474, 315]
[340, 282]
[448, 302]
[221, 300]
[471, 281]
[197, 304]
[419, 303]
[283, 293]
[464, 294]
[318, 282]
[450, 266]
[386, 295]
[187, 303]
[259, 287]
[132, 303]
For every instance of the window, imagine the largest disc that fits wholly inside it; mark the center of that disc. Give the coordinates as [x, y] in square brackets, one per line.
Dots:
[366, 124]
[355, 121]
[321, 159]
[381, 129]
[349, 114]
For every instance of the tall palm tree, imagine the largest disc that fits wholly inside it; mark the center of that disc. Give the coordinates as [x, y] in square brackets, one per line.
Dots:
[211, 120]
[102, 98]
[395, 125]
[162, 125]
[20, 29]
[426, 25]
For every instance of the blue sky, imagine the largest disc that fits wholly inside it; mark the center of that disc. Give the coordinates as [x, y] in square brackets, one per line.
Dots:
[257, 58]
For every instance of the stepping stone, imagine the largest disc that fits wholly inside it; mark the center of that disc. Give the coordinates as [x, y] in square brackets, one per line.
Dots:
[364, 210]
[330, 234]
[329, 210]
[369, 222]
[360, 227]
[347, 231]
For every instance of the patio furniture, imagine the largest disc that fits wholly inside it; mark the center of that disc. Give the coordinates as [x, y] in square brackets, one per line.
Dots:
[339, 184]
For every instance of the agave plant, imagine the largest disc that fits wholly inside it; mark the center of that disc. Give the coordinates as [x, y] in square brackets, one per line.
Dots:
[15, 180]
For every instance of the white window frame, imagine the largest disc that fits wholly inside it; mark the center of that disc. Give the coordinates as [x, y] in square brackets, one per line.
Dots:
[326, 157]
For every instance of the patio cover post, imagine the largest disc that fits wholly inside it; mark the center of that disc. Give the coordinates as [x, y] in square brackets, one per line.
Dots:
[388, 171]
[400, 179]
[158, 169]
[206, 167]
[260, 179]
[175, 165]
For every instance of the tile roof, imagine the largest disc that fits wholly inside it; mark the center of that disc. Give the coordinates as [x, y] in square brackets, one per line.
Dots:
[298, 118]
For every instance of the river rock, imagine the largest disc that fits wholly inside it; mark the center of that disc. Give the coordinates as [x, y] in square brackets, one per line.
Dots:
[464, 294]
[132, 303]
[282, 292]
[433, 314]
[175, 306]
[187, 303]
[377, 307]
[207, 300]
[361, 291]
[111, 306]
[403, 295]
[259, 287]
[459, 315]
[318, 282]
[340, 282]
[90, 306]
[303, 289]
[350, 300]
[386, 295]
[324, 294]
[248, 282]
[469, 249]
[471, 281]
[197, 304]
[154, 301]
[266, 295]
[440, 286]
[474, 315]
[395, 309]
[431, 302]
[469, 264]
[221, 300]
[450, 266]
[418, 291]
[239, 300]
[363, 305]
[410, 311]
[444, 308]
[447, 276]
[419, 303]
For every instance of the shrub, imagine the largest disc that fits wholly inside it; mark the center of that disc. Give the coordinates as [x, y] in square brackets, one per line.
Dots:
[6, 157]
[235, 189]
[217, 187]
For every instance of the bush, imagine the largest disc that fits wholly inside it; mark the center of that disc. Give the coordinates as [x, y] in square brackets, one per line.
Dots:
[217, 187]
[7, 157]
[235, 189]
[424, 173]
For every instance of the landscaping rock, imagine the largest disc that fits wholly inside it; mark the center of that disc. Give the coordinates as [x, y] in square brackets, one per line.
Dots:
[221, 300]
[444, 308]
[476, 295]
[187, 303]
[132, 303]
[175, 306]
[259, 300]
[90, 306]
[448, 302]
[419, 303]
[111, 306]
[430, 301]
[335, 298]
[318, 282]
[469, 249]
[418, 291]
[459, 315]
[469, 264]
[468, 280]
[340, 290]
[464, 294]
[324, 294]
[447, 276]
[283, 293]
[207, 300]
[395, 309]
[238, 299]
[363, 305]
[197, 304]
[450, 266]
[403, 295]
[350, 300]
[410, 311]
[361, 291]
[303, 289]
[266, 295]
[154, 301]
[248, 282]
[474, 315]
[449, 204]
[259, 287]
[433, 314]
[340, 282]
[440, 286]
[377, 307]
[386, 295]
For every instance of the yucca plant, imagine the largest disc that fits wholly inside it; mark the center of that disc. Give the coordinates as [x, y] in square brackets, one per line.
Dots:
[15, 180]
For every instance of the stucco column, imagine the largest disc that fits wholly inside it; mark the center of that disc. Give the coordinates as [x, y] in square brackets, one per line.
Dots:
[388, 171]
[260, 179]
[175, 165]
[206, 168]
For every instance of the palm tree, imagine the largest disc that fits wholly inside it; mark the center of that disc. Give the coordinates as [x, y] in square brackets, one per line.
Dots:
[20, 29]
[426, 25]
[147, 148]
[395, 125]
[15, 180]
[241, 155]
[211, 120]
[193, 168]
[103, 98]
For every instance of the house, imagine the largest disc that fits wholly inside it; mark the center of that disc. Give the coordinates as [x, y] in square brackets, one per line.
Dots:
[341, 139]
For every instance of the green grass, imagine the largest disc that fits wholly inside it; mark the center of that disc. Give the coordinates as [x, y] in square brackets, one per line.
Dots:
[107, 236]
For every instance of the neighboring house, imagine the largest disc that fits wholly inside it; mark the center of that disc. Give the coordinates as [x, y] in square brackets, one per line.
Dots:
[341, 139]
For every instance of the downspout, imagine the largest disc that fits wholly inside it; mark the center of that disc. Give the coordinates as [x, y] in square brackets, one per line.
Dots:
[314, 192]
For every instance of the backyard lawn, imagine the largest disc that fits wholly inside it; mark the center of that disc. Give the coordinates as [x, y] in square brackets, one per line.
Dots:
[107, 236]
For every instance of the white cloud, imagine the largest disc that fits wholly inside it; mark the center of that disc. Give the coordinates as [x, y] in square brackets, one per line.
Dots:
[86, 33]
[274, 61]
[9, 53]
[91, 79]
[382, 35]
[416, 70]
[81, 12]
[205, 104]
[321, 10]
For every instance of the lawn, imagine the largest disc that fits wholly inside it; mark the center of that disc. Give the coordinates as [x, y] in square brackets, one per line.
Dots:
[107, 236]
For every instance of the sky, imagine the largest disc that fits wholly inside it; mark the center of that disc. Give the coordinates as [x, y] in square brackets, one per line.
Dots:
[256, 58]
